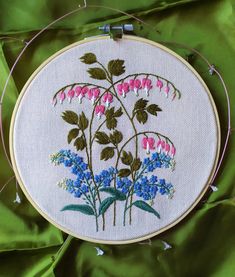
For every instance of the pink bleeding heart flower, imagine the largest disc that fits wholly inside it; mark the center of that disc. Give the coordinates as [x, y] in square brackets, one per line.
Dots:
[161, 145]
[148, 144]
[159, 84]
[62, 97]
[123, 89]
[135, 85]
[84, 91]
[173, 151]
[146, 85]
[93, 94]
[166, 90]
[119, 89]
[108, 98]
[131, 84]
[80, 92]
[167, 148]
[99, 110]
[71, 94]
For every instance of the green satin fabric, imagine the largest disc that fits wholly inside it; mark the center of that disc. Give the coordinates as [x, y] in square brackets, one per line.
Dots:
[203, 243]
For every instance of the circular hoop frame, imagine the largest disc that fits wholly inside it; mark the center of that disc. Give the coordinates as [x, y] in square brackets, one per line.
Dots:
[12, 155]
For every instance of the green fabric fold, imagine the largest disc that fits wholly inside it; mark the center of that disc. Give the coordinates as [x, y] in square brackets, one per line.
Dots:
[203, 243]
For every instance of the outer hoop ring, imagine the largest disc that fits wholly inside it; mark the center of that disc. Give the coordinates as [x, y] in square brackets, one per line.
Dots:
[35, 205]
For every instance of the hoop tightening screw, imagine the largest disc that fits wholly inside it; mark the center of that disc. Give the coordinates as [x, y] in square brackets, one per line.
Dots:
[123, 28]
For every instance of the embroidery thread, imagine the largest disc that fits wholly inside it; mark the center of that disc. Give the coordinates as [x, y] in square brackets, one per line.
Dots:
[128, 180]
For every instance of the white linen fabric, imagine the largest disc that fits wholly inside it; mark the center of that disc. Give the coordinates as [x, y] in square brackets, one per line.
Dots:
[189, 122]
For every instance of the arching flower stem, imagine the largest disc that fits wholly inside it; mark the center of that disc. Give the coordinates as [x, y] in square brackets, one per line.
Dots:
[109, 76]
[76, 84]
[118, 158]
[91, 140]
[119, 154]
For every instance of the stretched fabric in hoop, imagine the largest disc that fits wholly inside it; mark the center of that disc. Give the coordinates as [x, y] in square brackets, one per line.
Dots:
[134, 136]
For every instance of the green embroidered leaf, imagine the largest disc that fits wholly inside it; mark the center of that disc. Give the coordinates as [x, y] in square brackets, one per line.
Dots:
[124, 172]
[80, 143]
[73, 133]
[111, 123]
[109, 113]
[97, 73]
[136, 164]
[140, 104]
[107, 153]
[70, 117]
[146, 207]
[115, 193]
[153, 109]
[118, 112]
[102, 138]
[85, 209]
[105, 204]
[83, 121]
[116, 137]
[141, 116]
[126, 158]
[88, 58]
[116, 67]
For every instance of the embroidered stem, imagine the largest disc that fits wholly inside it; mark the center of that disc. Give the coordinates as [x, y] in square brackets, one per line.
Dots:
[144, 133]
[88, 159]
[109, 77]
[98, 184]
[96, 187]
[115, 203]
[136, 155]
[136, 143]
[131, 201]
[122, 148]
[96, 214]
[91, 140]
[97, 130]
[125, 208]
[93, 205]
[94, 202]
[135, 75]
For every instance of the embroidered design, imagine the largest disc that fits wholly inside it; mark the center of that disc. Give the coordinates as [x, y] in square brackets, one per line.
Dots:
[130, 179]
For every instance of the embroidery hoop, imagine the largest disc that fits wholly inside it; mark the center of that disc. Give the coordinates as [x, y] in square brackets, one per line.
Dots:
[110, 241]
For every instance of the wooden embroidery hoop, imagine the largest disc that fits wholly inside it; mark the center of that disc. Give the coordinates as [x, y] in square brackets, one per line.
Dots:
[36, 206]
